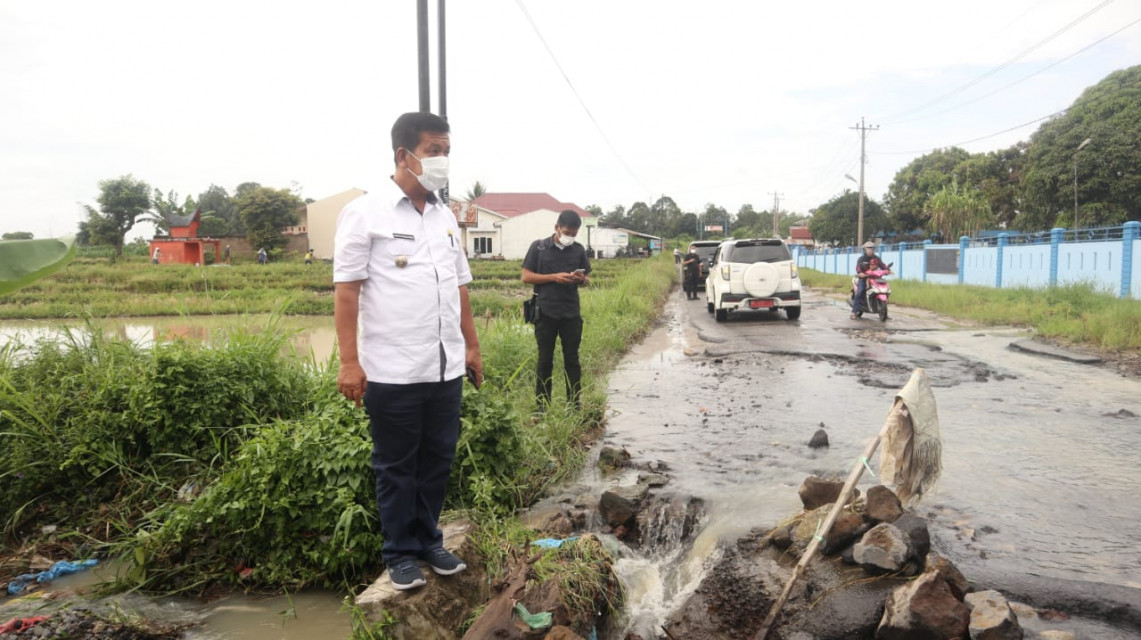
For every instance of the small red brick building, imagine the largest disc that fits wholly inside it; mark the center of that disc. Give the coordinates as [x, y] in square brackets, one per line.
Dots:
[183, 244]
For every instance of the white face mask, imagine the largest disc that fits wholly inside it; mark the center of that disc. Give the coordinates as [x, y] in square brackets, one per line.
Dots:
[434, 172]
[566, 240]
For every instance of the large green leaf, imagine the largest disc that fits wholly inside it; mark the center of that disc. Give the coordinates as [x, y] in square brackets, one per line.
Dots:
[22, 262]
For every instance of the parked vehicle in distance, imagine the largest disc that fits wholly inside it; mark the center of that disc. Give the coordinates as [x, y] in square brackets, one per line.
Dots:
[754, 273]
[705, 250]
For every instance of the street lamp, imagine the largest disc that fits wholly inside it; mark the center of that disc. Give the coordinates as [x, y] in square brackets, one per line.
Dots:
[1080, 147]
[860, 214]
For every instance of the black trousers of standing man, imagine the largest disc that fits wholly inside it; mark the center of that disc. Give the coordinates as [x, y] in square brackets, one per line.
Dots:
[569, 332]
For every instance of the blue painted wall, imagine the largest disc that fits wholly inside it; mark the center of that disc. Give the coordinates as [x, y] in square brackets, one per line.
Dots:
[1099, 257]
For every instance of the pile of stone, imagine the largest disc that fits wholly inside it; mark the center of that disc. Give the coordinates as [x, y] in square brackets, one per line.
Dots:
[878, 579]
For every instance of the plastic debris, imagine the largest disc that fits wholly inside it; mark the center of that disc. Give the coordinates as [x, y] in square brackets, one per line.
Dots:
[533, 620]
[552, 543]
[61, 568]
[16, 625]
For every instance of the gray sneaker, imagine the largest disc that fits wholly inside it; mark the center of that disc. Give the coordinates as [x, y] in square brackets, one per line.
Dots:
[442, 561]
[405, 574]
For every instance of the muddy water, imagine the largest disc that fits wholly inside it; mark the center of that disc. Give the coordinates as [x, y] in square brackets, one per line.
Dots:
[299, 616]
[1037, 479]
[309, 335]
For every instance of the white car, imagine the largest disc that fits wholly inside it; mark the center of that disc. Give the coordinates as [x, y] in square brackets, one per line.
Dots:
[757, 273]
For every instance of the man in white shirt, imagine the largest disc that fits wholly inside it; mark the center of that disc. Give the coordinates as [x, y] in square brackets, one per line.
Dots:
[401, 275]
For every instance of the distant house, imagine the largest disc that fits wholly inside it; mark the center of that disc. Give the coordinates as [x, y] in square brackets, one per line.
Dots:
[507, 223]
[183, 244]
[801, 236]
[318, 221]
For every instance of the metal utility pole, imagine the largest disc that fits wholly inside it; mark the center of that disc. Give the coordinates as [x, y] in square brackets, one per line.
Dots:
[1080, 147]
[422, 53]
[863, 129]
[776, 211]
[443, 61]
[445, 191]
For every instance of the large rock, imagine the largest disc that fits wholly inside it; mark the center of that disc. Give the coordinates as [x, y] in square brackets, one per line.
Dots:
[948, 573]
[883, 549]
[619, 505]
[669, 520]
[883, 505]
[819, 439]
[847, 527]
[816, 492]
[924, 609]
[991, 617]
[916, 530]
[612, 458]
[436, 610]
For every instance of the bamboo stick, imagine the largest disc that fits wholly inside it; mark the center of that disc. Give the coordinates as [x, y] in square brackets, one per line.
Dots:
[825, 527]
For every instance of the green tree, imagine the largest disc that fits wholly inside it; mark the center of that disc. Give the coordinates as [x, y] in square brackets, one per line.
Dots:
[747, 224]
[476, 191]
[915, 183]
[957, 211]
[836, 221]
[997, 175]
[714, 215]
[1108, 171]
[121, 201]
[18, 235]
[665, 217]
[167, 207]
[616, 217]
[219, 217]
[638, 217]
[266, 212]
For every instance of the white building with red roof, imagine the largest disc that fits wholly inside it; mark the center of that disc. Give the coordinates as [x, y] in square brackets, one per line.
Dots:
[507, 223]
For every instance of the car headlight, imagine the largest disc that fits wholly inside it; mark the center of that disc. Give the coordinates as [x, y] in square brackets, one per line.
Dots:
[725, 272]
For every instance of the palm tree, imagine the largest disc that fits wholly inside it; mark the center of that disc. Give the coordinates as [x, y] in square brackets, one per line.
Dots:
[956, 211]
[476, 191]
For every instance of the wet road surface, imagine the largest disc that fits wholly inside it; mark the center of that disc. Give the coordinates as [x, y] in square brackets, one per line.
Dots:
[1040, 456]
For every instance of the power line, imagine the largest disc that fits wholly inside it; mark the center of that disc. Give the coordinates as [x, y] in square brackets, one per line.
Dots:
[582, 102]
[895, 118]
[1014, 128]
[1023, 78]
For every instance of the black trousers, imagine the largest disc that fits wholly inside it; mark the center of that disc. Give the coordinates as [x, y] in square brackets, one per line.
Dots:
[569, 332]
[414, 432]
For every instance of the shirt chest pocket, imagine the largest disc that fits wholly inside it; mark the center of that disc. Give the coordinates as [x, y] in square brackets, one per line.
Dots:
[393, 244]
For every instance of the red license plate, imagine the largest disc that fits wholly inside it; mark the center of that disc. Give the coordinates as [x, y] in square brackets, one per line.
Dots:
[760, 304]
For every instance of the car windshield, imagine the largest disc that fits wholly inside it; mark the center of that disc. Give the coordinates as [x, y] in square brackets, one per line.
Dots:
[748, 252]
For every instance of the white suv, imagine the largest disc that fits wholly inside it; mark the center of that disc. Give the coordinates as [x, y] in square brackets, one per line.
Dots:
[757, 273]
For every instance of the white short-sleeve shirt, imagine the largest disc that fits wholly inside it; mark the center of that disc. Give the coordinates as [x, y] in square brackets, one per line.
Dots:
[412, 266]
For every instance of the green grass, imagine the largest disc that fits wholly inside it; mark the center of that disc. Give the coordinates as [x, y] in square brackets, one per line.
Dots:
[100, 435]
[1078, 314]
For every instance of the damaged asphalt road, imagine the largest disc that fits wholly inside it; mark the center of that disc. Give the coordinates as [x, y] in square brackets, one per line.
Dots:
[1039, 476]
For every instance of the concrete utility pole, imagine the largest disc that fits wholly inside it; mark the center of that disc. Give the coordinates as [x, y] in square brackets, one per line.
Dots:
[776, 212]
[863, 129]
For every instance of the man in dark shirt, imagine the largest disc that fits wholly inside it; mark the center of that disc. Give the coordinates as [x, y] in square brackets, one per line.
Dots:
[557, 266]
[692, 266]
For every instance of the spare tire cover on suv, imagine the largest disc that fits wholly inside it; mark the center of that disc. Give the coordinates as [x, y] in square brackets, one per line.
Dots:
[761, 279]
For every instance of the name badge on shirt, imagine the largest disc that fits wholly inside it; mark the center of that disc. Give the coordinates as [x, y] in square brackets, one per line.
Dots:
[403, 236]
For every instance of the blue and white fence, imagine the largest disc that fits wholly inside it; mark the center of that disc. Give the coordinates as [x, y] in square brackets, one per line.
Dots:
[1109, 258]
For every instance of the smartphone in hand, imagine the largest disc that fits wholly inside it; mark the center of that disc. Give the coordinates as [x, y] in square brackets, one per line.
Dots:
[472, 377]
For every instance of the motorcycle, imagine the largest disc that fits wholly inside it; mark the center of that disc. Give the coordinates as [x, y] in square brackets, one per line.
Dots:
[875, 293]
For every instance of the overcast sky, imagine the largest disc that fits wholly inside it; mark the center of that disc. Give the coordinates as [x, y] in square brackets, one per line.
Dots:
[711, 101]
